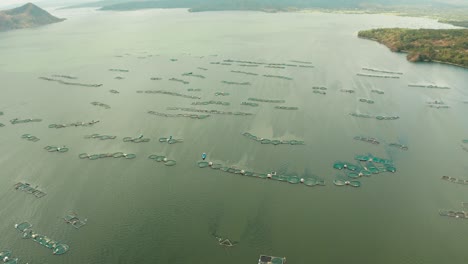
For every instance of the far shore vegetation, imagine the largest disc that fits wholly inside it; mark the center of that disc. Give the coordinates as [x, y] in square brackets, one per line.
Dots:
[438, 45]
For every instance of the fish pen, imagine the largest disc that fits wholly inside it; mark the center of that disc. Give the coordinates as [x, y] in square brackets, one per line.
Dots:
[265, 259]
[30, 137]
[56, 247]
[73, 219]
[26, 187]
[291, 179]
[106, 155]
[161, 158]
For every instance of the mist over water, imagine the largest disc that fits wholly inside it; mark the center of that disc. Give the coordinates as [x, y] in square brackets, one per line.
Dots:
[140, 211]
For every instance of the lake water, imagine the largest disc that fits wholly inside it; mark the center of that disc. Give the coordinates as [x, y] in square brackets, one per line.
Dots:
[140, 211]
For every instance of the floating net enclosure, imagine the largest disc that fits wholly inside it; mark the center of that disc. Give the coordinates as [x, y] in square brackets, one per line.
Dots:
[454, 214]
[61, 249]
[204, 164]
[340, 182]
[170, 163]
[23, 226]
[5, 253]
[264, 259]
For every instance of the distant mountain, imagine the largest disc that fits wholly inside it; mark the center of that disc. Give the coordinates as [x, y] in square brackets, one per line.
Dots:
[280, 5]
[26, 16]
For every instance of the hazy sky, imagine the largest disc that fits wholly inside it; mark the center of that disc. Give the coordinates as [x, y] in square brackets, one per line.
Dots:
[42, 3]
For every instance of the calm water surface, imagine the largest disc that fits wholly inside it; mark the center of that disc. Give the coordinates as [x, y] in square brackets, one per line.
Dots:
[140, 211]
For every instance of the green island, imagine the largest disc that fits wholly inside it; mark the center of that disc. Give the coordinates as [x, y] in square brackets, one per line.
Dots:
[424, 45]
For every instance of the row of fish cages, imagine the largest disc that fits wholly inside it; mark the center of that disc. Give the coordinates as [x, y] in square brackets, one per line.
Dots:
[366, 166]
[27, 233]
[27, 188]
[292, 179]
[273, 141]
[76, 124]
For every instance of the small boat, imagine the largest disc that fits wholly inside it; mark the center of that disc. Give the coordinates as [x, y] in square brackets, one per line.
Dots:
[203, 156]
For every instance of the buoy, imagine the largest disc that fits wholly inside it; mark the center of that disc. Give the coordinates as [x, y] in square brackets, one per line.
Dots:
[203, 156]
[302, 180]
[165, 159]
[242, 172]
[269, 175]
[210, 163]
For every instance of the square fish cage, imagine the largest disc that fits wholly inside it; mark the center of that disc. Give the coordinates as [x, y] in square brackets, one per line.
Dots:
[264, 259]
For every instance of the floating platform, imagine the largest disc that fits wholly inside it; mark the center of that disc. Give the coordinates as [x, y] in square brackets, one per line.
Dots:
[26, 187]
[265, 259]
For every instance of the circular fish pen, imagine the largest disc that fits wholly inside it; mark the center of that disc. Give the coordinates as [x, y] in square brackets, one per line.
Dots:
[138, 139]
[345, 182]
[170, 163]
[30, 137]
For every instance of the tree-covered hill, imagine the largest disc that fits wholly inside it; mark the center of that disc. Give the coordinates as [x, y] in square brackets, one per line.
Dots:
[442, 45]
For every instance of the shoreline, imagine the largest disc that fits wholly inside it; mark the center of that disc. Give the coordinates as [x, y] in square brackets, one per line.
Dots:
[406, 52]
